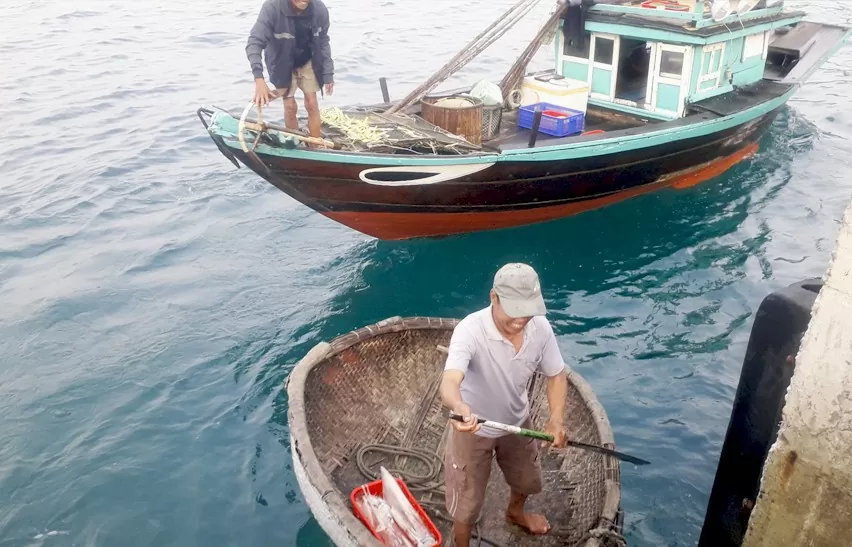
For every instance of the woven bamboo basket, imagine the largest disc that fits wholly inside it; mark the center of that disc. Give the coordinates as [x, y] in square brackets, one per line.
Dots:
[379, 386]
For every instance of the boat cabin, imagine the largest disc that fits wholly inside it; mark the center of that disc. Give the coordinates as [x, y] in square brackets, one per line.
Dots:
[655, 57]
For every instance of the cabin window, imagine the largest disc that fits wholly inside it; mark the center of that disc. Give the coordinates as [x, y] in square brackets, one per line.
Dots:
[671, 64]
[604, 49]
[671, 77]
[755, 46]
[574, 57]
[602, 75]
[711, 66]
[577, 47]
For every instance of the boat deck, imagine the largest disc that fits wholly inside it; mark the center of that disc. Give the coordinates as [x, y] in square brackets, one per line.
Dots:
[409, 128]
[512, 137]
[741, 98]
[614, 124]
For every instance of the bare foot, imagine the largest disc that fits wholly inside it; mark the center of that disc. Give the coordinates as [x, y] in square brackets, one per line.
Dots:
[531, 522]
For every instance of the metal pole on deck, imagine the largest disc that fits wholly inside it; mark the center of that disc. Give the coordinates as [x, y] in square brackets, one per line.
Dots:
[534, 130]
[383, 82]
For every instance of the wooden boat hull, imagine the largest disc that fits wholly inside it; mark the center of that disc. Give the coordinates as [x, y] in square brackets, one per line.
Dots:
[401, 197]
[521, 194]
[379, 385]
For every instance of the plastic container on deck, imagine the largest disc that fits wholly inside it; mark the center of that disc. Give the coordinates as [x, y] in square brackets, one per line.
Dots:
[375, 488]
[556, 120]
[560, 91]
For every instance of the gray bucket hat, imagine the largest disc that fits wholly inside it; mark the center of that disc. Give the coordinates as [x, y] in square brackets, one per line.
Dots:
[519, 290]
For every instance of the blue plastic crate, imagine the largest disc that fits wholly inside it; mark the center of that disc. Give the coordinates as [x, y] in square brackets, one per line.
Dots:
[551, 125]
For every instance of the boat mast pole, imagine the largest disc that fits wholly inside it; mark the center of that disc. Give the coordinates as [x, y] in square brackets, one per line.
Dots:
[470, 51]
[514, 77]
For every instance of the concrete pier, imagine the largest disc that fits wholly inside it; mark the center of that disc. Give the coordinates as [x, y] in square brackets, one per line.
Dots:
[806, 488]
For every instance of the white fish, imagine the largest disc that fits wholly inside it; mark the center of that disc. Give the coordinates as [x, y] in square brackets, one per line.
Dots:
[403, 512]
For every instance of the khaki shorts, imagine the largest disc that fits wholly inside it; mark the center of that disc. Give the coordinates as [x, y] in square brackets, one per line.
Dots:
[467, 468]
[305, 79]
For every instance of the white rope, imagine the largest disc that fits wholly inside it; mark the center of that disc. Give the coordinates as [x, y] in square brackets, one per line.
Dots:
[514, 99]
[241, 128]
[612, 535]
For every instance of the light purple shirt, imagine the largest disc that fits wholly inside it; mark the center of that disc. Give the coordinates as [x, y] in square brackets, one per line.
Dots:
[495, 376]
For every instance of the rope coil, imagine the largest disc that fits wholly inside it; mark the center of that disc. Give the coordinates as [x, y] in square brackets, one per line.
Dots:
[415, 482]
[615, 539]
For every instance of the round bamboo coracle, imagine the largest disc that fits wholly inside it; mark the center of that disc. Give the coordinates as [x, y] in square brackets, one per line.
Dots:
[370, 398]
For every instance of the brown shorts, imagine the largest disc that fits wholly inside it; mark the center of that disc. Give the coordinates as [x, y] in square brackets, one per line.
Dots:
[467, 468]
[305, 79]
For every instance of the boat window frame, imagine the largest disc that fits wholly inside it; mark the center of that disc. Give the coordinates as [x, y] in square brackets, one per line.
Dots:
[752, 52]
[611, 53]
[684, 80]
[710, 75]
[613, 68]
[671, 75]
[561, 57]
[566, 57]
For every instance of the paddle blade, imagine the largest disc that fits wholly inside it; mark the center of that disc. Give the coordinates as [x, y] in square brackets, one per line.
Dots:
[619, 455]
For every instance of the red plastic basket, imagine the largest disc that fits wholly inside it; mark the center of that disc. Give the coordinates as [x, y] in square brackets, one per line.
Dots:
[376, 489]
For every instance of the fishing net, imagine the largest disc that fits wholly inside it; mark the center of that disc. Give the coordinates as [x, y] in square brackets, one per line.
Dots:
[374, 402]
[388, 133]
[492, 116]
[357, 130]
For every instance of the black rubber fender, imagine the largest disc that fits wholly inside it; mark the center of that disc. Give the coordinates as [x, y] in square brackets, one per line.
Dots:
[779, 325]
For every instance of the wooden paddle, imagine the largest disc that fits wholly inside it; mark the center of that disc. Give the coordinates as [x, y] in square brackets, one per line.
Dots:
[264, 126]
[261, 126]
[549, 438]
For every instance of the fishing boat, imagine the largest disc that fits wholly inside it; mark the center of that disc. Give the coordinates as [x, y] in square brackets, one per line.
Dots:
[644, 94]
[370, 398]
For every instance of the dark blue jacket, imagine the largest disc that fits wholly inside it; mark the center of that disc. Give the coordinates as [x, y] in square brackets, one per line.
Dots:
[275, 34]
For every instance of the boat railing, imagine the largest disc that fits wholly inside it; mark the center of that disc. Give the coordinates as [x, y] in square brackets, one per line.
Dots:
[698, 15]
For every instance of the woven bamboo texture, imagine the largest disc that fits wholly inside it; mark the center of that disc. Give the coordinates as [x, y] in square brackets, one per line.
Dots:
[380, 385]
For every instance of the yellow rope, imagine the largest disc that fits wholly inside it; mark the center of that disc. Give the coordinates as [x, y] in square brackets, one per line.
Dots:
[354, 129]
